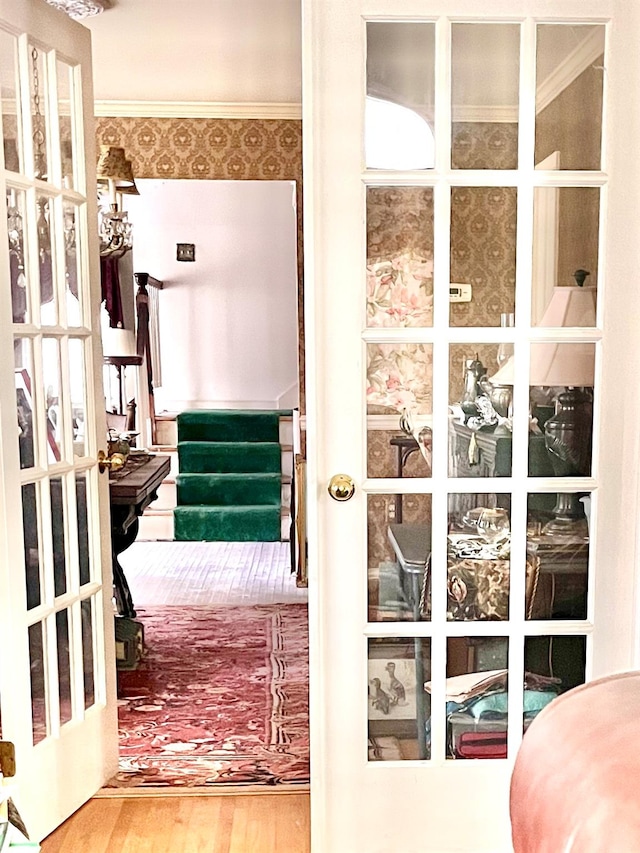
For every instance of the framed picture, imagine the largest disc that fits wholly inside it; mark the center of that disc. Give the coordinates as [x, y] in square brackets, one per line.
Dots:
[392, 687]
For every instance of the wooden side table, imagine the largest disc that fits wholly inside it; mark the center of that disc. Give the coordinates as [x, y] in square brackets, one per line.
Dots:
[120, 362]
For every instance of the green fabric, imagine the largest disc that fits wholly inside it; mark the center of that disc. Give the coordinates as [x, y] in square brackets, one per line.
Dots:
[227, 524]
[226, 457]
[230, 481]
[229, 425]
[228, 489]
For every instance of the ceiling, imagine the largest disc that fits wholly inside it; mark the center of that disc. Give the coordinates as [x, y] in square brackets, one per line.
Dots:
[232, 51]
[249, 52]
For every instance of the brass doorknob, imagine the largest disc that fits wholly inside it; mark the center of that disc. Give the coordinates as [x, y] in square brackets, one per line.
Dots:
[341, 487]
[114, 462]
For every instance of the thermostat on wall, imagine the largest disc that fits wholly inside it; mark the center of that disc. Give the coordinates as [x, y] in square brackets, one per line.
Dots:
[459, 293]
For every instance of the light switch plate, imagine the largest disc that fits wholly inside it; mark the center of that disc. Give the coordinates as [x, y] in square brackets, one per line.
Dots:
[185, 252]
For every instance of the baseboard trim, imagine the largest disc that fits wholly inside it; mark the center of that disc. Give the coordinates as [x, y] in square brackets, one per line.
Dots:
[200, 791]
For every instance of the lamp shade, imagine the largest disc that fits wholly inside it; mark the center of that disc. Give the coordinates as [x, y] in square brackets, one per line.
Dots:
[568, 364]
[129, 188]
[504, 376]
[114, 166]
[119, 342]
[570, 307]
[571, 365]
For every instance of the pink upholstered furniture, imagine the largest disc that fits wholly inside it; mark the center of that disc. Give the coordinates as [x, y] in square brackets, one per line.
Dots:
[576, 782]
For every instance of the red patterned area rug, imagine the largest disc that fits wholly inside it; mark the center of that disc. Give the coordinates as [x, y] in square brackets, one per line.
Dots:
[220, 698]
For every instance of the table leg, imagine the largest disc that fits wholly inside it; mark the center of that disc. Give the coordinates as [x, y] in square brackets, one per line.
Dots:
[120, 541]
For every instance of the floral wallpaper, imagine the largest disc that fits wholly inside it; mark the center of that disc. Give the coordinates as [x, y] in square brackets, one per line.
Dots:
[400, 291]
[399, 377]
[209, 149]
[400, 266]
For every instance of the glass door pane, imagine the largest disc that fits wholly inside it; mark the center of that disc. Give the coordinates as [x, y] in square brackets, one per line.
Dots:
[400, 95]
[484, 102]
[11, 128]
[569, 93]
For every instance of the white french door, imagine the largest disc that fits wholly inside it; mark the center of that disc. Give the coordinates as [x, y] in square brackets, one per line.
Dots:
[57, 659]
[487, 559]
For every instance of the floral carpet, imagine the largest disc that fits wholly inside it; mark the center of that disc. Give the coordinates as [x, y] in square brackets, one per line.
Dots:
[220, 698]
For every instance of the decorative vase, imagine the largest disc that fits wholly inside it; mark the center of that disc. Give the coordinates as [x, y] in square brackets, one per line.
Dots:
[474, 371]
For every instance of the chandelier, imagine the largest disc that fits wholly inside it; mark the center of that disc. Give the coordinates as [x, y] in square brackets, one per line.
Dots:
[80, 8]
[115, 175]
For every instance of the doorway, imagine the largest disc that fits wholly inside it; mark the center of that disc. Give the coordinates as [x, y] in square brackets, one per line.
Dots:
[227, 333]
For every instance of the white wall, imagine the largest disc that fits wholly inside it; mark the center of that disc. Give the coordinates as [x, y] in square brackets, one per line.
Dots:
[228, 321]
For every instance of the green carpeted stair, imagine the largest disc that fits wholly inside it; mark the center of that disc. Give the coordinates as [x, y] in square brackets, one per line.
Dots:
[230, 478]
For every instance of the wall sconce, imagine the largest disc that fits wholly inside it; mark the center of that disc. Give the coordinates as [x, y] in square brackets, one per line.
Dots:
[114, 173]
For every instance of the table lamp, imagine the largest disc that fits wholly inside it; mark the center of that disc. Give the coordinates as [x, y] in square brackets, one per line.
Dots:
[569, 366]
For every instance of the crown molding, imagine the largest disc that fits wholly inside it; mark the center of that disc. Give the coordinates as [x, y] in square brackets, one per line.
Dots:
[196, 109]
[569, 69]
[489, 114]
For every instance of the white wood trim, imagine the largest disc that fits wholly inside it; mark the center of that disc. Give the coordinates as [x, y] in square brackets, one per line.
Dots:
[545, 240]
[507, 114]
[569, 69]
[197, 109]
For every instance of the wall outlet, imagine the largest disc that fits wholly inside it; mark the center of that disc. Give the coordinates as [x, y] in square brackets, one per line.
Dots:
[459, 292]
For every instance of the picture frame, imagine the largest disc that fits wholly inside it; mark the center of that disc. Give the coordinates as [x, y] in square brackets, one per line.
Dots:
[392, 707]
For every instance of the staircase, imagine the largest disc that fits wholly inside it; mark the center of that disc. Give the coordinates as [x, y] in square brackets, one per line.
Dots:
[230, 481]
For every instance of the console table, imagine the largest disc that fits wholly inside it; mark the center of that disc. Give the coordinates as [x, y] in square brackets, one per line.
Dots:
[493, 453]
[131, 490]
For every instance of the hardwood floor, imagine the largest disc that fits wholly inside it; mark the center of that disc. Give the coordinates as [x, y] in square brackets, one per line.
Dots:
[261, 823]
